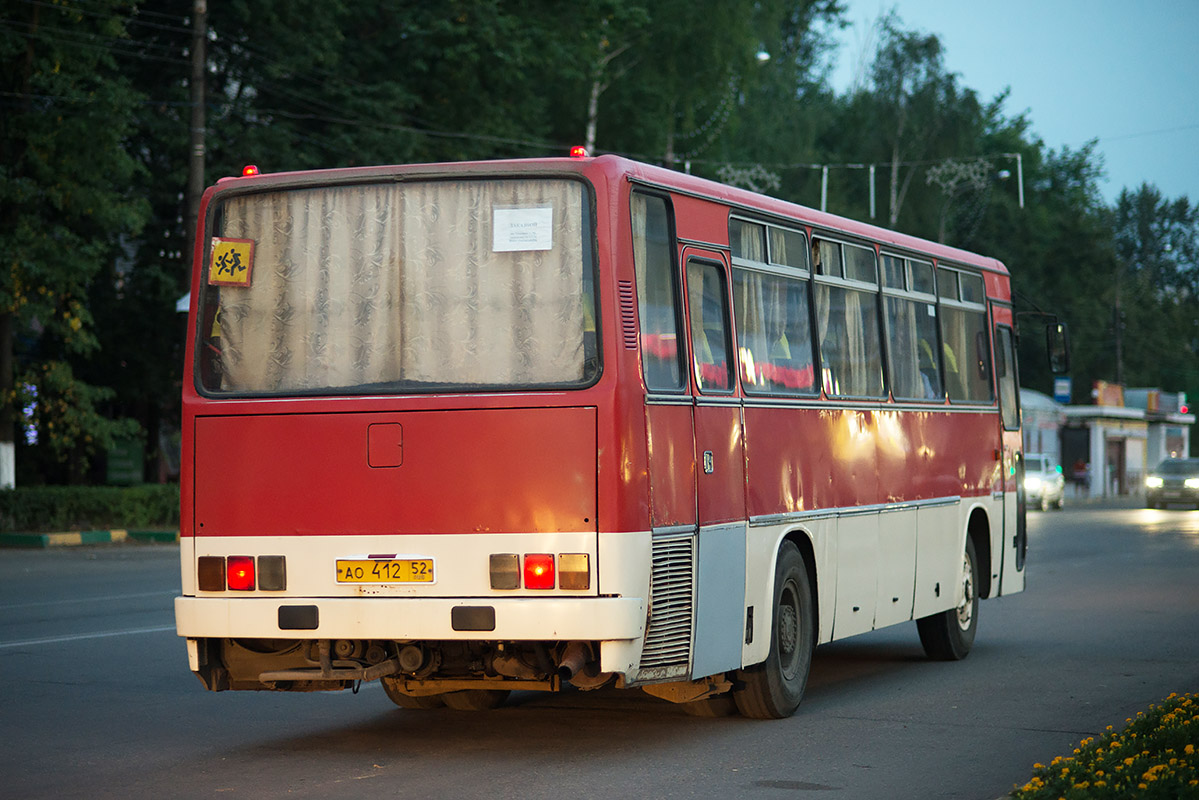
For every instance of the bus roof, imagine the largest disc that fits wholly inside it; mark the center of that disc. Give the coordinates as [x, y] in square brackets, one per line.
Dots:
[742, 198]
[617, 166]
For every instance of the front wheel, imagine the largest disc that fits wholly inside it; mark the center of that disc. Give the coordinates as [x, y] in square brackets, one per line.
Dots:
[949, 635]
[773, 689]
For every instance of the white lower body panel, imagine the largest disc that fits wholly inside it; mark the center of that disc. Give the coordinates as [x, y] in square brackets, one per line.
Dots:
[404, 618]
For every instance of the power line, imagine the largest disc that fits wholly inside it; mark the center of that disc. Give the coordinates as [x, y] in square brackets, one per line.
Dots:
[127, 48]
[132, 19]
[1149, 133]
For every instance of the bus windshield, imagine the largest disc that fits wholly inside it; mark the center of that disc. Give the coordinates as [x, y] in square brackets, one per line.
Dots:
[373, 288]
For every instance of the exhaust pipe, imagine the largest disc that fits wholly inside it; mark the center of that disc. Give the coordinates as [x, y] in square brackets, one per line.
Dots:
[578, 666]
[573, 659]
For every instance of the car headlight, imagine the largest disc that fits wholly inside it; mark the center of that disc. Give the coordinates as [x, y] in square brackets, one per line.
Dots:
[1191, 483]
[1032, 483]
[1154, 482]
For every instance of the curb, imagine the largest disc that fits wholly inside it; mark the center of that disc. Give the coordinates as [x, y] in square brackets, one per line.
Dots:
[75, 538]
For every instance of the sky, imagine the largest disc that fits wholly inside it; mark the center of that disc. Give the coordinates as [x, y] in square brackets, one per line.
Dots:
[1125, 73]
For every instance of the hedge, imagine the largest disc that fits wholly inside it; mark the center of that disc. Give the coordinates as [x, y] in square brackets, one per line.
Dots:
[64, 508]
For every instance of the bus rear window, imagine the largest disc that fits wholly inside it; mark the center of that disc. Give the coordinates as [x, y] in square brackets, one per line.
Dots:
[400, 287]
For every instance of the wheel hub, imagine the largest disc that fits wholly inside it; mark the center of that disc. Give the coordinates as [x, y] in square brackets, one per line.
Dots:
[966, 609]
[788, 630]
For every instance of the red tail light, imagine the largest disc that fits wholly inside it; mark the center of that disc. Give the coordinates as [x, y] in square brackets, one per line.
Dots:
[539, 571]
[239, 573]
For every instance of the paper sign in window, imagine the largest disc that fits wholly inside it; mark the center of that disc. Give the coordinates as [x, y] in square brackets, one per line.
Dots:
[517, 229]
[232, 262]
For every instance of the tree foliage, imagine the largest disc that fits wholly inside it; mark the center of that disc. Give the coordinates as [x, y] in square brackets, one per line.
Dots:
[67, 208]
[95, 147]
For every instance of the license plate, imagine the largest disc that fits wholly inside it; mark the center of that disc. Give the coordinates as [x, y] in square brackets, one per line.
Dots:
[385, 570]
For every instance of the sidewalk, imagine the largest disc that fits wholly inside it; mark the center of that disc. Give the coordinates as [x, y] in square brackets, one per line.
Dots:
[71, 538]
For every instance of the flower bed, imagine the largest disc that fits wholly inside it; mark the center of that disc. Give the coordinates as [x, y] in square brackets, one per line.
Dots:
[1152, 757]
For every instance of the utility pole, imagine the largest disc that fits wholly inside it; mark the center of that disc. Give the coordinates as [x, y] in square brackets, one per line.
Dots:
[195, 164]
[1119, 333]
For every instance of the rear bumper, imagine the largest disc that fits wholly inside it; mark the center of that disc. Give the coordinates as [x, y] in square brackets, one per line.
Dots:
[401, 619]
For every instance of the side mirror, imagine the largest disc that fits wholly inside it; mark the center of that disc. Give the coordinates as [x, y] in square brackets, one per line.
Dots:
[1057, 340]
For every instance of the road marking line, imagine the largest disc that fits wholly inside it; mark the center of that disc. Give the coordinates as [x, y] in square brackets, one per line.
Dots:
[80, 636]
[84, 600]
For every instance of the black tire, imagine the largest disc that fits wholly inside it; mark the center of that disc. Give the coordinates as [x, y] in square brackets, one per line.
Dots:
[475, 699]
[392, 690]
[773, 689]
[949, 635]
[721, 705]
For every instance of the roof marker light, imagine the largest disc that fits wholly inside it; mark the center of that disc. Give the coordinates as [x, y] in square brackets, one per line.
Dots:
[578, 151]
[249, 169]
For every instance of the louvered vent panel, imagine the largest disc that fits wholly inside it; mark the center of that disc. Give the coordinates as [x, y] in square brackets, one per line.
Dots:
[628, 314]
[668, 638]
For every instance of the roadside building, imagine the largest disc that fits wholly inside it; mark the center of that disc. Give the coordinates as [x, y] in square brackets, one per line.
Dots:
[1169, 421]
[1107, 448]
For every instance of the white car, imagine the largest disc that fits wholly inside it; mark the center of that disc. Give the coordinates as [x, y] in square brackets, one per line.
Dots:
[1044, 484]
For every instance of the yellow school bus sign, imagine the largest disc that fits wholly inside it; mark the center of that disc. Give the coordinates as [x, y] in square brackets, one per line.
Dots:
[232, 262]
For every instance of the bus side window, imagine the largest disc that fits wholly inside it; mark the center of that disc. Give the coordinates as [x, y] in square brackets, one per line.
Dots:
[967, 358]
[847, 323]
[965, 344]
[657, 297]
[912, 341]
[710, 345]
[911, 316]
[774, 338]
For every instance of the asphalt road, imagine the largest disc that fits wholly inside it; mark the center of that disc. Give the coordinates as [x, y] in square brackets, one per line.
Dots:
[96, 700]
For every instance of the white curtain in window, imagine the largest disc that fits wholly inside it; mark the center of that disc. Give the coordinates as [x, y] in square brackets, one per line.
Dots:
[368, 284]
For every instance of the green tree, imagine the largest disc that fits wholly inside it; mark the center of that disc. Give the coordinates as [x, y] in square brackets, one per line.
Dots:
[783, 106]
[1157, 251]
[66, 210]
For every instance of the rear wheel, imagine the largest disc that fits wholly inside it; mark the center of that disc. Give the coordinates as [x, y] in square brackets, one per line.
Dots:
[949, 635]
[773, 689]
[391, 688]
[475, 699]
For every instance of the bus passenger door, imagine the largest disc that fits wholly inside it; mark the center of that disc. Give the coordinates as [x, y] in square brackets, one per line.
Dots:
[719, 449]
[1011, 478]
[720, 468]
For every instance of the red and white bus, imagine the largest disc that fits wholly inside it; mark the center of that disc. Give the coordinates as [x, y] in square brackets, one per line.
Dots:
[476, 427]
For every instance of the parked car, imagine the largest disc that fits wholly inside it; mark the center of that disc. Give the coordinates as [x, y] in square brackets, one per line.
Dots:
[1044, 484]
[1175, 480]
